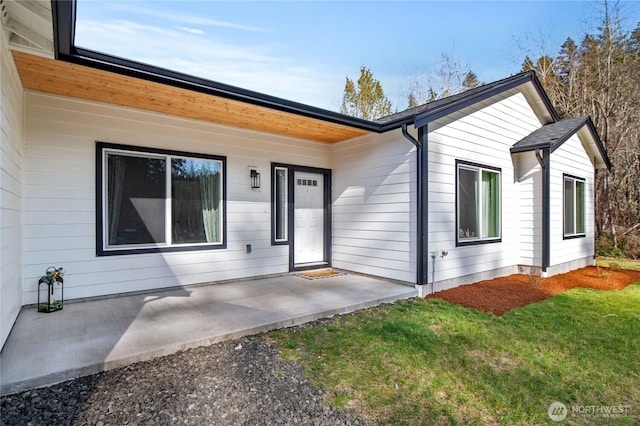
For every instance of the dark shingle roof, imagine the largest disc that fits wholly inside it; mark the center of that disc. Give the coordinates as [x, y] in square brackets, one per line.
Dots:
[446, 105]
[553, 135]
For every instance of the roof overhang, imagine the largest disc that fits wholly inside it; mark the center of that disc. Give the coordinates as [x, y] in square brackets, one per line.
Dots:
[93, 84]
[94, 76]
[527, 83]
[553, 135]
[589, 136]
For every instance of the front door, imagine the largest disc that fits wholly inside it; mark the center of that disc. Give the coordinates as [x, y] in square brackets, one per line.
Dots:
[309, 222]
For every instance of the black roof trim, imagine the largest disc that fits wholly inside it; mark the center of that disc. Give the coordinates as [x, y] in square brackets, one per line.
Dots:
[64, 18]
[446, 106]
[553, 135]
[594, 132]
[64, 13]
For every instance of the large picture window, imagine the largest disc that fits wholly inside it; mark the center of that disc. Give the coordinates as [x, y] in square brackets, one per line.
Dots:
[478, 203]
[574, 208]
[151, 200]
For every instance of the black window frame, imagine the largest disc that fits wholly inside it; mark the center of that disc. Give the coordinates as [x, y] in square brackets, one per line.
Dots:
[565, 236]
[274, 240]
[101, 250]
[471, 242]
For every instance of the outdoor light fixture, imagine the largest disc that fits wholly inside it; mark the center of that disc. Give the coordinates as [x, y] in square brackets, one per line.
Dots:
[255, 179]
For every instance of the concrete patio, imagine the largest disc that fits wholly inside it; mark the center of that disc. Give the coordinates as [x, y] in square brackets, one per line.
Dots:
[92, 336]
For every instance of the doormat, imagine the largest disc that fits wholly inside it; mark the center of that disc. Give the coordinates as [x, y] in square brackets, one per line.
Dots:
[319, 273]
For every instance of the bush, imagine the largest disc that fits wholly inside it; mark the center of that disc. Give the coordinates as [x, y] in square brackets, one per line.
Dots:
[631, 247]
[614, 266]
[605, 247]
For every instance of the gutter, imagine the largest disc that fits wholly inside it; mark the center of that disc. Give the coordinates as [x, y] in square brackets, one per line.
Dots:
[543, 160]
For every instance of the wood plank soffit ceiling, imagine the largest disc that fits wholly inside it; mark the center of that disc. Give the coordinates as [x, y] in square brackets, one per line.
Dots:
[66, 79]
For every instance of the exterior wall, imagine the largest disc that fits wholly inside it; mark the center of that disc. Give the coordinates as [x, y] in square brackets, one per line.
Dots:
[571, 158]
[528, 177]
[374, 206]
[482, 133]
[59, 197]
[11, 156]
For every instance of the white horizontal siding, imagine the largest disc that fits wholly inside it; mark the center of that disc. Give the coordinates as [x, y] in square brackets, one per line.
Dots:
[484, 134]
[59, 196]
[529, 181]
[571, 158]
[11, 163]
[374, 199]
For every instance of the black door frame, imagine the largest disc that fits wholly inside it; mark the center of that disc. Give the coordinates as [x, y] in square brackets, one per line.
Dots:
[326, 173]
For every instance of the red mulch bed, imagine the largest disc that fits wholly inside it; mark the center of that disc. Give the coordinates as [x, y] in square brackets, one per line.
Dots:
[514, 291]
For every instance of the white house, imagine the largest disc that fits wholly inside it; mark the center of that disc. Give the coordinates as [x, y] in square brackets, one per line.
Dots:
[135, 178]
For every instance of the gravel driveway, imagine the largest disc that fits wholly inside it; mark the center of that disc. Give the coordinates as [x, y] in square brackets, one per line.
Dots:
[240, 382]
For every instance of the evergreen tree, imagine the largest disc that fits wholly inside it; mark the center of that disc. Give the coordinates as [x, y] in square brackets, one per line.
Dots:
[413, 102]
[470, 81]
[367, 100]
[601, 78]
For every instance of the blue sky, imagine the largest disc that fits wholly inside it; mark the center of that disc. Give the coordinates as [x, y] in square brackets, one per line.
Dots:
[303, 50]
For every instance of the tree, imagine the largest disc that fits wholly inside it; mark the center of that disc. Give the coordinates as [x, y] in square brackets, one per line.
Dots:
[413, 102]
[470, 81]
[601, 78]
[445, 78]
[367, 100]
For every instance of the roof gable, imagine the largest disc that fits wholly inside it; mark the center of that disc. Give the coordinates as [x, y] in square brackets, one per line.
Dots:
[526, 81]
[553, 135]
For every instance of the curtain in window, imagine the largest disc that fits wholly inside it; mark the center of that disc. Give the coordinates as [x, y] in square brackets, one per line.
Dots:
[115, 184]
[468, 203]
[135, 200]
[195, 201]
[490, 204]
[569, 206]
[580, 207]
[210, 195]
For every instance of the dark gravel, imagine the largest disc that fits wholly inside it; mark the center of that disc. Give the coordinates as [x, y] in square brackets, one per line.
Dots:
[241, 382]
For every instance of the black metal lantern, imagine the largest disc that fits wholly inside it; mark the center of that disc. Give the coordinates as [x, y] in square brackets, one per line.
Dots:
[255, 179]
[50, 283]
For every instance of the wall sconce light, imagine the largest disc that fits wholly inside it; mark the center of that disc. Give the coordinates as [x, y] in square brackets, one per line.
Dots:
[255, 179]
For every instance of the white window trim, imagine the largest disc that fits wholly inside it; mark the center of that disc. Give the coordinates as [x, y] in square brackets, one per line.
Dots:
[275, 204]
[574, 180]
[167, 245]
[462, 241]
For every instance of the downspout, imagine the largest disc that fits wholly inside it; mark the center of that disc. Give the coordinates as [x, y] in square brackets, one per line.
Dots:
[594, 207]
[421, 234]
[543, 160]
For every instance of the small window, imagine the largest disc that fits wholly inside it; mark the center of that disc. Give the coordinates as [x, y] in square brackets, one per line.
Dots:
[280, 204]
[574, 207]
[156, 201]
[478, 196]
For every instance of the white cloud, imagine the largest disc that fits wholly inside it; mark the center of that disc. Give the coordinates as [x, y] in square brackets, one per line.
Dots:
[181, 18]
[262, 68]
[191, 30]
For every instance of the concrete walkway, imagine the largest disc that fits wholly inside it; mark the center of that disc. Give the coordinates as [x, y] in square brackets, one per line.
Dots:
[88, 337]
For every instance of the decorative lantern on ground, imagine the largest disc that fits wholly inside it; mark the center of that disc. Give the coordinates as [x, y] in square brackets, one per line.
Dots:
[53, 283]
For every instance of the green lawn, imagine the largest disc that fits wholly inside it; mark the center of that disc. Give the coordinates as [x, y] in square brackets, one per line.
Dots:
[622, 263]
[430, 362]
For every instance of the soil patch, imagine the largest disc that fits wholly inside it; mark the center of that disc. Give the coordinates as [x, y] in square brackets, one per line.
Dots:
[514, 291]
